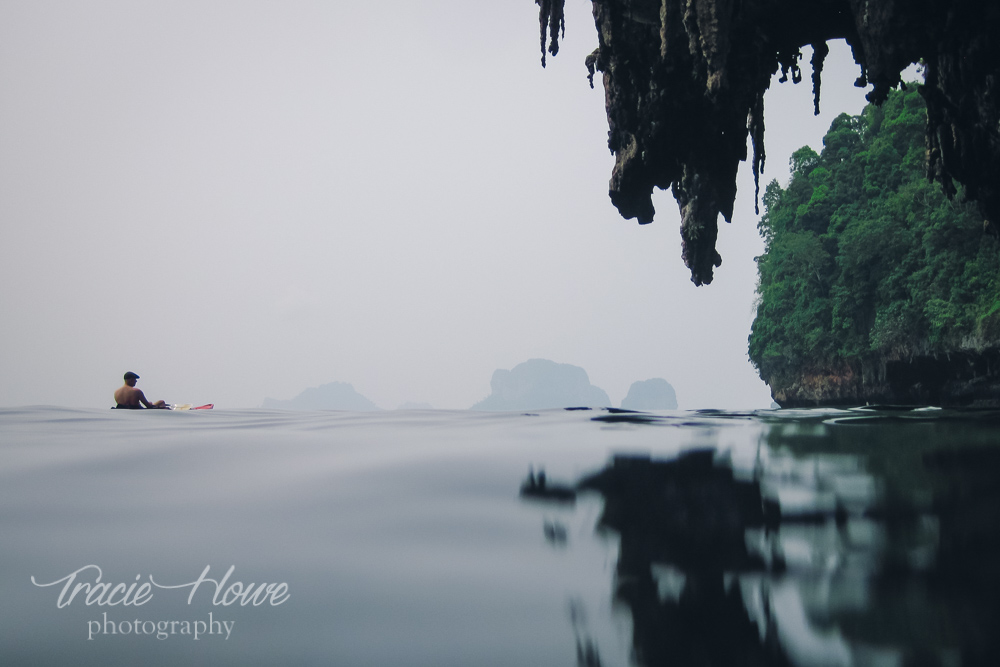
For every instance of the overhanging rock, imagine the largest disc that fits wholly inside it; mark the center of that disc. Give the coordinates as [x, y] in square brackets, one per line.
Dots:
[684, 85]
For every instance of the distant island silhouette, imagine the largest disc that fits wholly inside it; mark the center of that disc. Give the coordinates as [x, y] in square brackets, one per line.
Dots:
[536, 384]
[331, 396]
[539, 384]
[652, 394]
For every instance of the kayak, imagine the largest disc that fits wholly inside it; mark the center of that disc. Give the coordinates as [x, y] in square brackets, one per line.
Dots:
[175, 406]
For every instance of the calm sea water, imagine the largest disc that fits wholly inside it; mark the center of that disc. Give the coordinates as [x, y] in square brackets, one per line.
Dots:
[837, 537]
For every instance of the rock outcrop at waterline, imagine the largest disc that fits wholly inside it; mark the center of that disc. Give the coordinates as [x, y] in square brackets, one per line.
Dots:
[684, 84]
[959, 379]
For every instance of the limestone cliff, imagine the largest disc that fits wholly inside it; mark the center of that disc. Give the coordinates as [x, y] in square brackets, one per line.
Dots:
[960, 379]
[684, 85]
[873, 287]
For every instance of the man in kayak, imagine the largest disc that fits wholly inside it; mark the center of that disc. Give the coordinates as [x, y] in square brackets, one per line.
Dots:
[128, 397]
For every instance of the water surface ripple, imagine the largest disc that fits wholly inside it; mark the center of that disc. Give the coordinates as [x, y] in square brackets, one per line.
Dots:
[863, 536]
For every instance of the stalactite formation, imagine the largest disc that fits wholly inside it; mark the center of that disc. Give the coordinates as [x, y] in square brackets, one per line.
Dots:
[684, 83]
[551, 24]
[820, 52]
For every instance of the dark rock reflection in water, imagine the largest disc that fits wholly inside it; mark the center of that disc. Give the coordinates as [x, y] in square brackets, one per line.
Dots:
[688, 519]
[838, 545]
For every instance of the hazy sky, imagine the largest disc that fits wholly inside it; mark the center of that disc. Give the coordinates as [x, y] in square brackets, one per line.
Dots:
[240, 200]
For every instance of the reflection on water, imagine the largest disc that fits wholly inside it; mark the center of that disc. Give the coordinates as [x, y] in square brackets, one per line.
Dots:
[412, 538]
[863, 537]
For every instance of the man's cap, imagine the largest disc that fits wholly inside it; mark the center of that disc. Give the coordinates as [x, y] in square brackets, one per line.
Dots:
[131, 376]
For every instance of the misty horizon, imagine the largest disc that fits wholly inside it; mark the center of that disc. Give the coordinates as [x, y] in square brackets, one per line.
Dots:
[240, 200]
[535, 384]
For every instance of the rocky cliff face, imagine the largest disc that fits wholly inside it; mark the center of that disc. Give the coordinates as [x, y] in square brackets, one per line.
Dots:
[961, 379]
[684, 85]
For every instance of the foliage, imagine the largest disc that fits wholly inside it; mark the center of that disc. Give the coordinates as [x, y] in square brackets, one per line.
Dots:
[864, 257]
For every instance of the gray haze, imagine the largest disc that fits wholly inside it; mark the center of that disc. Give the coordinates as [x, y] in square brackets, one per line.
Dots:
[651, 394]
[245, 199]
[540, 384]
[330, 396]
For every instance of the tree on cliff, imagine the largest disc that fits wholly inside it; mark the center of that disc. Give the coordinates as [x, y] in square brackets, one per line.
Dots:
[865, 260]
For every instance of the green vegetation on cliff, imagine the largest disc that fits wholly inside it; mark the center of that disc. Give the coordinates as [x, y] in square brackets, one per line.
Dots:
[865, 259]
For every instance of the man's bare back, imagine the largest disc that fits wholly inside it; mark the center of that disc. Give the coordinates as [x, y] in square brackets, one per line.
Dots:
[128, 396]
